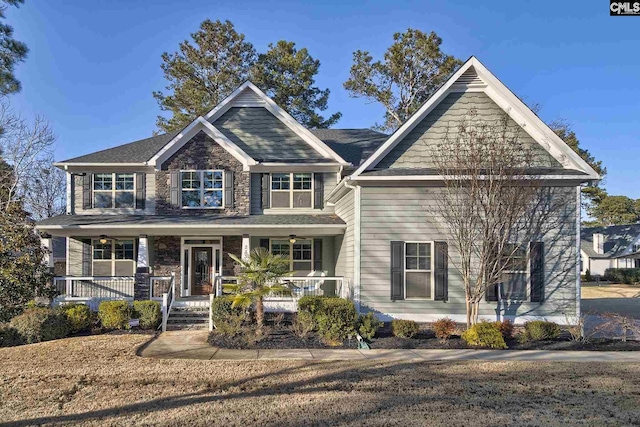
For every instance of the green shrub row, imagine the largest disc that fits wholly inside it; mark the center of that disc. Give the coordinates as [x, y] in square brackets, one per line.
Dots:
[629, 276]
[117, 314]
[335, 319]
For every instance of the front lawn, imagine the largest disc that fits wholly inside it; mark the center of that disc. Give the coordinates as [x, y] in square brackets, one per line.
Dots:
[98, 380]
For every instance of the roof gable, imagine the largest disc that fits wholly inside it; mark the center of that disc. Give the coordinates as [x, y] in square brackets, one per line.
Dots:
[617, 240]
[473, 77]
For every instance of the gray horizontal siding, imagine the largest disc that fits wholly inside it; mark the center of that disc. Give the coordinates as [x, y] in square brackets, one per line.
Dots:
[416, 149]
[345, 249]
[403, 214]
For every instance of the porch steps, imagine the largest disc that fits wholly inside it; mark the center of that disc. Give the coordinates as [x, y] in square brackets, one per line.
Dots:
[188, 318]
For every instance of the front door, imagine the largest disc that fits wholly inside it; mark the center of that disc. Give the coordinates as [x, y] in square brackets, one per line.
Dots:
[201, 269]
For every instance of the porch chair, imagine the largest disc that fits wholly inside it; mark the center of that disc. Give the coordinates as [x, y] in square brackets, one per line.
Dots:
[310, 287]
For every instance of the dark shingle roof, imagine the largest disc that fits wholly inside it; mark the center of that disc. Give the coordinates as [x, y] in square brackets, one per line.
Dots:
[134, 152]
[178, 220]
[432, 171]
[353, 145]
[617, 238]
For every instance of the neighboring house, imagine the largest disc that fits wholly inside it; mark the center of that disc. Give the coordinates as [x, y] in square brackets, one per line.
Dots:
[615, 246]
[347, 203]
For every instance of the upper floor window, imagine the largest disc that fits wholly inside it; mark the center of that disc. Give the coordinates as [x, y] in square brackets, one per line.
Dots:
[292, 190]
[113, 190]
[202, 189]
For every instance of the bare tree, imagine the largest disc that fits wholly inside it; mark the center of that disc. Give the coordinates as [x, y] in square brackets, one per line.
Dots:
[44, 191]
[26, 147]
[484, 203]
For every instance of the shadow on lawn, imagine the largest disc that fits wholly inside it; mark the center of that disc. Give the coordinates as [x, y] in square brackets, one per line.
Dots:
[406, 385]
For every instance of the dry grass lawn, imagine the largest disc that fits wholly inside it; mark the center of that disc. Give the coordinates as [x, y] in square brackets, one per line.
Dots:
[610, 291]
[98, 380]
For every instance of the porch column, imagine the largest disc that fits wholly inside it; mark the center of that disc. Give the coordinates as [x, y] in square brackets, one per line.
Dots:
[246, 246]
[47, 244]
[141, 288]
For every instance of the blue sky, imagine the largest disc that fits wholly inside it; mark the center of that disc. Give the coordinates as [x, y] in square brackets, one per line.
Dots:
[94, 64]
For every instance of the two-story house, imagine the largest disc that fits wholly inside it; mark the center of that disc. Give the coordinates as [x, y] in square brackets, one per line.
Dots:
[345, 204]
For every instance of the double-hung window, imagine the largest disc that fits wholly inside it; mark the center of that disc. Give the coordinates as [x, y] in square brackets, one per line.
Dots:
[299, 254]
[113, 190]
[202, 189]
[418, 271]
[515, 276]
[114, 257]
[292, 190]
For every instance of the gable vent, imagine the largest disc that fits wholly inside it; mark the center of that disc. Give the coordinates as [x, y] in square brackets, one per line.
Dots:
[248, 98]
[469, 79]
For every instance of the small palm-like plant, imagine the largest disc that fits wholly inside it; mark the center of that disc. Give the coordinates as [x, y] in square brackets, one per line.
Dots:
[259, 276]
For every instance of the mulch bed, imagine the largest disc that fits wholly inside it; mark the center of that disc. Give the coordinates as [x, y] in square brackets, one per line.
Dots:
[281, 337]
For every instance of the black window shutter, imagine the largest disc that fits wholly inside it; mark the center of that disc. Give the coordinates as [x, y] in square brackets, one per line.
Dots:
[537, 271]
[492, 292]
[264, 243]
[174, 188]
[140, 191]
[318, 191]
[87, 257]
[266, 184]
[228, 189]
[397, 270]
[441, 273]
[317, 254]
[86, 191]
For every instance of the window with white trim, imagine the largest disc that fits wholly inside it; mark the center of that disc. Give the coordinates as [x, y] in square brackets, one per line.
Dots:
[292, 190]
[202, 189]
[418, 270]
[114, 190]
[114, 257]
[515, 276]
[299, 254]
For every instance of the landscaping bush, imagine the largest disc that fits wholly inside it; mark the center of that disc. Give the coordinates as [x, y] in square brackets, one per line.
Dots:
[78, 316]
[587, 275]
[312, 304]
[9, 336]
[226, 319]
[404, 328]
[148, 312]
[629, 276]
[484, 334]
[368, 325]
[336, 319]
[540, 330]
[505, 327]
[40, 324]
[302, 324]
[444, 328]
[114, 314]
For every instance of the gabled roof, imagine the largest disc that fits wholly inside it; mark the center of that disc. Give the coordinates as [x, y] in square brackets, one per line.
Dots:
[353, 145]
[617, 239]
[473, 76]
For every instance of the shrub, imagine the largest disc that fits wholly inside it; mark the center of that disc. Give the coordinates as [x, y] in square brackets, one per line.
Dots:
[540, 330]
[444, 328]
[368, 325]
[78, 316]
[484, 334]
[587, 275]
[311, 304]
[505, 327]
[404, 328]
[226, 319]
[302, 324]
[40, 324]
[148, 312]
[114, 314]
[9, 336]
[627, 276]
[336, 319]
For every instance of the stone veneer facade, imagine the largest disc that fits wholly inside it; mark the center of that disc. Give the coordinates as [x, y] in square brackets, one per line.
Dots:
[202, 153]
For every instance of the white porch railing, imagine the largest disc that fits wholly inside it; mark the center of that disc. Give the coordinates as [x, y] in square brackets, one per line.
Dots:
[300, 286]
[106, 287]
[167, 301]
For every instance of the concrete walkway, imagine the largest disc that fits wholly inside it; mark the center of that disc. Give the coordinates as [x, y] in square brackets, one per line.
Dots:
[193, 345]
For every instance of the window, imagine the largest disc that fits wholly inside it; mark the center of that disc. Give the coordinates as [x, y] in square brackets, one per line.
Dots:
[418, 280]
[636, 247]
[292, 190]
[114, 257]
[113, 190]
[299, 254]
[515, 275]
[202, 189]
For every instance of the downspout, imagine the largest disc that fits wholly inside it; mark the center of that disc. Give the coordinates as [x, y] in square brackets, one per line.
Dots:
[356, 242]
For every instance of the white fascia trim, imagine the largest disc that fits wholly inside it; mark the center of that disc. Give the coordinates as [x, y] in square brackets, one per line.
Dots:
[188, 226]
[279, 113]
[505, 99]
[189, 132]
[441, 178]
[304, 164]
[67, 165]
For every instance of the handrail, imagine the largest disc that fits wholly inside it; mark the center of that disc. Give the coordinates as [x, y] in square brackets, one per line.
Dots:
[167, 301]
[341, 288]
